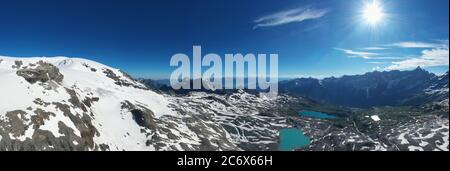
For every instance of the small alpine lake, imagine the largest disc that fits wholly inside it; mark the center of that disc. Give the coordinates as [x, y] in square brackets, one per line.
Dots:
[314, 114]
[292, 138]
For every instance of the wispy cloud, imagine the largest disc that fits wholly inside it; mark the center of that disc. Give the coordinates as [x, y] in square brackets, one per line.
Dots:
[389, 57]
[429, 58]
[357, 54]
[366, 55]
[434, 53]
[374, 48]
[377, 63]
[415, 45]
[290, 16]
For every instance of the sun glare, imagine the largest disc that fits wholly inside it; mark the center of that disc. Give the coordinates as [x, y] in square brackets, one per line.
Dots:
[373, 12]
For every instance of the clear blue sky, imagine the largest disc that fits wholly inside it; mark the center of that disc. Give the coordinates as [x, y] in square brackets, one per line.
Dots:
[312, 38]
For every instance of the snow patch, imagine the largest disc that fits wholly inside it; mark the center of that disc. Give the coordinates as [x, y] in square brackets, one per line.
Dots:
[414, 148]
[402, 139]
[375, 118]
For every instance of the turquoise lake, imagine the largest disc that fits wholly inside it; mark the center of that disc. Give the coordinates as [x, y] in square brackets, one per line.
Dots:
[292, 138]
[314, 114]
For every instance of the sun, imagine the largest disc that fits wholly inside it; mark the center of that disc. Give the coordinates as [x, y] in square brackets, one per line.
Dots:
[373, 12]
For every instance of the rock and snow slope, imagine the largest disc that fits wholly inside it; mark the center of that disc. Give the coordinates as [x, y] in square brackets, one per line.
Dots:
[252, 122]
[76, 104]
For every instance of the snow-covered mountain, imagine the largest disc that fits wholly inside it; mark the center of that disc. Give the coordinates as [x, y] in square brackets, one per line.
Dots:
[439, 89]
[387, 88]
[76, 104]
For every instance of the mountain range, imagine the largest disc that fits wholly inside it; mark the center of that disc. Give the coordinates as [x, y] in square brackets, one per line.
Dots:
[74, 104]
[387, 88]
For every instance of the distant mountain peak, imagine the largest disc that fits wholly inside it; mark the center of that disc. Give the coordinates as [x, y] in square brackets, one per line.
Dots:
[420, 69]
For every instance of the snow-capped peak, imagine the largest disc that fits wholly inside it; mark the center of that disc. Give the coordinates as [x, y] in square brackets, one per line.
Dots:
[80, 104]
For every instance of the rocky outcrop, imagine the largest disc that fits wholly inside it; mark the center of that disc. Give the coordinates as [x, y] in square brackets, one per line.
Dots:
[15, 123]
[13, 128]
[42, 72]
[17, 64]
[126, 81]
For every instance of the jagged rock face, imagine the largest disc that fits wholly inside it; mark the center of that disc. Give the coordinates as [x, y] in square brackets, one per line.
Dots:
[128, 81]
[40, 72]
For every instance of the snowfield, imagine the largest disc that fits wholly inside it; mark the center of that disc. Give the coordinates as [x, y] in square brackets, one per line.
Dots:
[93, 107]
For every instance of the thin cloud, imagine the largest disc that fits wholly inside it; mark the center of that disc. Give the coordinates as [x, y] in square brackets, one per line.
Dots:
[366, 55]
[290, 16]
[415, 45]
[357, 54]
[433, 54]
[388, 57]
[375, 48]
[377, 63]
[429, 58]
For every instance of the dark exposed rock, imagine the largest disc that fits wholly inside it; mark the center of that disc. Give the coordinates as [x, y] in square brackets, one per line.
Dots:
[39, 101]
[43, 72]
[89, 67]
[110, 74]
[87, 132]
[139, 117]
[104, 147]
[39, 118]
[83, 124]
[142, 116]
[73, 141]
[43, 140]
[17, 64]
[15, 123]
[126, 75]
[122, 82]
[74, 99]
[63, 107]
[88, 101]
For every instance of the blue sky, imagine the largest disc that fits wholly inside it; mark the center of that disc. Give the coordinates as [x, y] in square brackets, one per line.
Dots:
[313, 38]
